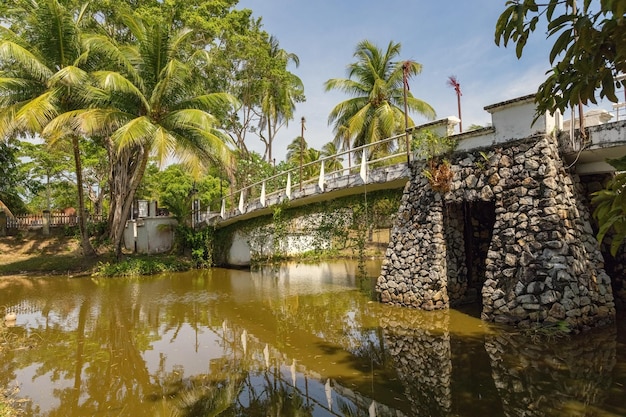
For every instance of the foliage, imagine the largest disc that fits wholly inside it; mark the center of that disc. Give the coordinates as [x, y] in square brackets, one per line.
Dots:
[251, 168]
[610, 211]
[12, 180]
[133, 266]
[175, 188]
[256, 72]
[280, 91]
[426, 144]
[200, 243]
[49, 169]
[334, 163]
[42, 73]
[299, 152]
[376, 81]
[432, 147]
[588, 52]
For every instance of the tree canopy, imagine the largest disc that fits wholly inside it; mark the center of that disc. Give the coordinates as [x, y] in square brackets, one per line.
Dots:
[134, 80]
[589, 48]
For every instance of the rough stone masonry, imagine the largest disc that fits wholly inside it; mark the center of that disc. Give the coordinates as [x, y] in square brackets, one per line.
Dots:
[543, 263]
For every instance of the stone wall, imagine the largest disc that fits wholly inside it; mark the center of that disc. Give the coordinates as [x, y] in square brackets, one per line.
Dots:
[543, 263]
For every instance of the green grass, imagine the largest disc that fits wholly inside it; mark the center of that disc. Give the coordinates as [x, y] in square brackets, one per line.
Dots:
[142, 265]
[49, 264]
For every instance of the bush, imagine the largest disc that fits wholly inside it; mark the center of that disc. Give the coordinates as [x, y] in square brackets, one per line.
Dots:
[142, 266]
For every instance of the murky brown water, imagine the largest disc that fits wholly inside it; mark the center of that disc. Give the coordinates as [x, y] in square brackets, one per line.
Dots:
[299, 340]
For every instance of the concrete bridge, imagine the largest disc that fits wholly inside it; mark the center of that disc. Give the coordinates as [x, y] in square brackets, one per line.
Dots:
[511, 120]
[512, 229]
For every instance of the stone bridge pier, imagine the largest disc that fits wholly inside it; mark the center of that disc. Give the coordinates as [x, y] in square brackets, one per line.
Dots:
[512, 232]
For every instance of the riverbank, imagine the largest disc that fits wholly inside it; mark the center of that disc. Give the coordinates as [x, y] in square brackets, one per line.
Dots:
[62, 256]
[33, 254]
[51, 255]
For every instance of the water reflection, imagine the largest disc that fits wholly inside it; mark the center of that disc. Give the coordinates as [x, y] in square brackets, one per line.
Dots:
[294, 340]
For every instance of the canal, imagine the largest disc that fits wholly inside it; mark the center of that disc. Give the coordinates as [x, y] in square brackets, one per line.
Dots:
[290, 340]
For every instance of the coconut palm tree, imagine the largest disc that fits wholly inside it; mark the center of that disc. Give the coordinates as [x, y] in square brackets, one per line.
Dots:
[151, 104]
[298, 151]
[334, 163]
[376, 83]
[280, 90]
[40, 77]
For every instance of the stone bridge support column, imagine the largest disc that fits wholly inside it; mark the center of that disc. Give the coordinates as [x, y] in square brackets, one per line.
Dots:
[543, 263]
[414, 273]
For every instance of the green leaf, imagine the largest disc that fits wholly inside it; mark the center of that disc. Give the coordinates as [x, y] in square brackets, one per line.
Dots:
[619, 164]
[560, 45]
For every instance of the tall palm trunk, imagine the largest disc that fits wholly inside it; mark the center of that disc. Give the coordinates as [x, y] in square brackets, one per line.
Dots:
[88, 249]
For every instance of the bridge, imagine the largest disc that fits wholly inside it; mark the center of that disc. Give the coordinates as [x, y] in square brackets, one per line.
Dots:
[511, 229]
[511, 121]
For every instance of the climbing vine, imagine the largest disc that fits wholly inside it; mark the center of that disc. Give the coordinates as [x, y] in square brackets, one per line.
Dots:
[340, 227]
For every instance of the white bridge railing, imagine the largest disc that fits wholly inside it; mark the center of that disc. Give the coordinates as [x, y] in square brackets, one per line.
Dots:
[292, 184]
[298, 183]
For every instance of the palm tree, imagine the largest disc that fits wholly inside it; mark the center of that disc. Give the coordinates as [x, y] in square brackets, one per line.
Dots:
[454, 83]
[280, 90]
[329, 150]
[376, 82]
[40, 78]
[298, 151]
[152, 104]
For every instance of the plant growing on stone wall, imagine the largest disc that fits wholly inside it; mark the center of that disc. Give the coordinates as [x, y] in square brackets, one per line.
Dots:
[610, 209]
[439, 174]
[482, 164]
[435, 149]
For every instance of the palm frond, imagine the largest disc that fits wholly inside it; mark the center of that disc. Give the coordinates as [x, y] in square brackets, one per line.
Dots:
[36, 113]
[138, 131]
[69, 76]
[26, 60]
[112, 81]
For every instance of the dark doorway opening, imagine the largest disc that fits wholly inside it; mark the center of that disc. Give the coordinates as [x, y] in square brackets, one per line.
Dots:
[479, 218]
[469, 229]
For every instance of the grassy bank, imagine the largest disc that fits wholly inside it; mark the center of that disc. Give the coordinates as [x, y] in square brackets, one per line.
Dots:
[33, 254]
[61, 255]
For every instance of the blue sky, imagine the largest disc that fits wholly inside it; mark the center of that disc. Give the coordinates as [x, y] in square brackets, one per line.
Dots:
[455, 37]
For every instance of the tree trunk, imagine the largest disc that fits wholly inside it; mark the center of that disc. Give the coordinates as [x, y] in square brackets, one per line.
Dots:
[88, 250]
[127, 168]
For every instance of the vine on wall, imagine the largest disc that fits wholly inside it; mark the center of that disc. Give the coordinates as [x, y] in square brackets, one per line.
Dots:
[336, 227]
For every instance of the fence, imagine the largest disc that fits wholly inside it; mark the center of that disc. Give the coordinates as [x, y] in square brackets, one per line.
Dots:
[34, 221]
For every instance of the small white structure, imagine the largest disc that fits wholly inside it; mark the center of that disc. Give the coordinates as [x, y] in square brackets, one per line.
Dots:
[149, 234]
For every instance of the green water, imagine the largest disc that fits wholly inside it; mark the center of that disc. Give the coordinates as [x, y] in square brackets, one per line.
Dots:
[297, 340]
